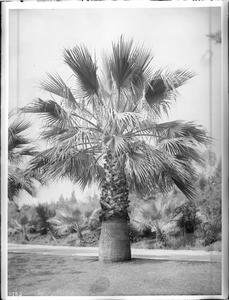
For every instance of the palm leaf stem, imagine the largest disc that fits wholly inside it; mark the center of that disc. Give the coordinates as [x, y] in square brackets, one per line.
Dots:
[78, 116]
[94, 164]
[145, 134]
[140, 130]
[82, 108]
[147, 223]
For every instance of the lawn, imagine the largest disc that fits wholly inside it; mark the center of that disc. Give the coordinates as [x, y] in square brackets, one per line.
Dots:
[59, 275]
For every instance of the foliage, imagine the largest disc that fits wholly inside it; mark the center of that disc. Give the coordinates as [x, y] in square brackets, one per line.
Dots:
[91, 238]
[93, 218]
[187, 241]
[44, 213]
[23, 225]
[19, 152]
[157, 215]
[188, 220]
[217, 37]
[202, 182]
[217, 246]
[68, 221]
[206, 208]
[73, 199]
[211, 208]
[117, 107]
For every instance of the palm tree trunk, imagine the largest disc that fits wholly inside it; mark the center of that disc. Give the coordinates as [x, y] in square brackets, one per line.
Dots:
[52, 236]
[79, 238]
[26, 238]
[114, 244]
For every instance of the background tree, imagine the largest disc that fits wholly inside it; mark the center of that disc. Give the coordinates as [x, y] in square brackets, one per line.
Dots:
[211, 207]
[216, 37]
[44, 213]
[73, 199]
[188, 220]
[108, 130]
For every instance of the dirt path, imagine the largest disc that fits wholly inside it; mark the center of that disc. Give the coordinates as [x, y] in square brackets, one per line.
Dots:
[178, 255]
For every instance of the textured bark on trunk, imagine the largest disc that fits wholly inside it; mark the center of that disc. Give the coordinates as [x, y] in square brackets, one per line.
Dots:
[114, 244]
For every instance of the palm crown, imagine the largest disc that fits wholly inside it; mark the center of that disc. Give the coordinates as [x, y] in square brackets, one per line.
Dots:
[113, 113]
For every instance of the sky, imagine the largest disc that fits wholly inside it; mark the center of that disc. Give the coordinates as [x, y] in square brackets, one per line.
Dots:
[176, 37]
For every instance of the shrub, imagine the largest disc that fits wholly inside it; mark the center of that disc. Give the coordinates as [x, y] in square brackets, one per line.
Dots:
[211, 210]
[189, 220]
[181, 241]
[210, 232]
[146, 244]
[133, 234]
[44, 213]
[91, 238]
[217, 246]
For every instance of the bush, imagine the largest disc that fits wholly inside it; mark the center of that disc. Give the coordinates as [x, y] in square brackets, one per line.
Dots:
[210, 232]
[189, 220]
[91, 238]
[146, 244]
[217, 246]
[181, 241]
[133, 234]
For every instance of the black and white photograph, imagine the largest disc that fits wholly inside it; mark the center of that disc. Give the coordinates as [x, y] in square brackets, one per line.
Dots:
[113, 161]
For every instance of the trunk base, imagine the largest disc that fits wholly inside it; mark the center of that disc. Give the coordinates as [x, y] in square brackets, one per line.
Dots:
[114, 243]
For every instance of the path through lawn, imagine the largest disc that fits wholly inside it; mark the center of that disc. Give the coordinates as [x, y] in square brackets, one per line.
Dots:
[50, 275]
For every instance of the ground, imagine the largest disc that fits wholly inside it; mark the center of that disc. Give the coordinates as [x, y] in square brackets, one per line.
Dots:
[67, 271]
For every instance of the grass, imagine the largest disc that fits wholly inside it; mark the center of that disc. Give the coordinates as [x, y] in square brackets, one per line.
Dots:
[57, 275]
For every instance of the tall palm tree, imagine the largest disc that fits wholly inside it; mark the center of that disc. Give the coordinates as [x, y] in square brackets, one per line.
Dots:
[19, 152]
[108, 129]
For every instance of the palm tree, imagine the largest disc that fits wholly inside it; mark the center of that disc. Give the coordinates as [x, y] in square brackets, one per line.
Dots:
[160, 215]
[108, 129]
[19, 152]
[23, 226]
[69, 221]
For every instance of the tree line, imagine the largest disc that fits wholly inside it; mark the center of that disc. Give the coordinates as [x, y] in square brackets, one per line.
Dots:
[165, 221]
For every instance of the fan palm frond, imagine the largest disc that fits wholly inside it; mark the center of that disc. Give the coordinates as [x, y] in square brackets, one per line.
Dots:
[15, 137]
[81, 63]
[19, 152]
[18, 181]
[162, 88]
[176, 129]
[147, 166]
[128, 64]
[68, 220]
[18, 126]
[77, 165]
[183, 140]
[55, 85]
